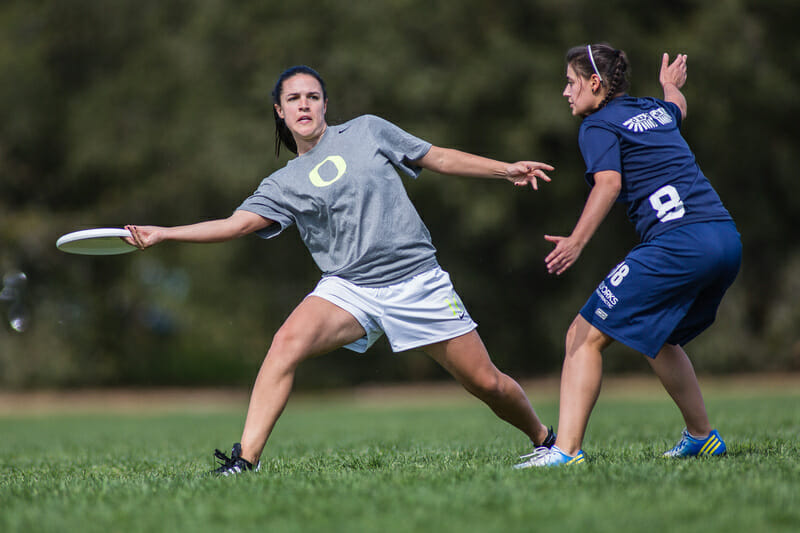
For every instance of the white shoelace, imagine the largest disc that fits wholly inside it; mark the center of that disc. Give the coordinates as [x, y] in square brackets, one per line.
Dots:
[541, 450]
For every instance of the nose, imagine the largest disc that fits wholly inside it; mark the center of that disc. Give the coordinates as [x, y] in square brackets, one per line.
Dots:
[565, 92]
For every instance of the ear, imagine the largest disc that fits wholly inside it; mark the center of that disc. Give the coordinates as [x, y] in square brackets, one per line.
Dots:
[279, 111]
[595, 84]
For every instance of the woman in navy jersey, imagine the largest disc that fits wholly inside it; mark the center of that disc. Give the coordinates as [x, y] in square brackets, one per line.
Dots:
[668, 288]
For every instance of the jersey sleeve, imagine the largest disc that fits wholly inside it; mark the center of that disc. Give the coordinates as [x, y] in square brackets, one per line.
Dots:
[601, 150]
[397, 145]
[266, 201]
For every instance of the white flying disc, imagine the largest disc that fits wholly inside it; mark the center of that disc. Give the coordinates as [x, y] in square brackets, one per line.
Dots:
[100, 241]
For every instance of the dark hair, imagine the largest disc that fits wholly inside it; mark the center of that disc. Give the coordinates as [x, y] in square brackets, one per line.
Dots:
[612, 67]
[282, 133]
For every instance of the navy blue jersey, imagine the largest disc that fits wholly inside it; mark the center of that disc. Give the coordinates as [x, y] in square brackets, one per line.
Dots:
[662, 185]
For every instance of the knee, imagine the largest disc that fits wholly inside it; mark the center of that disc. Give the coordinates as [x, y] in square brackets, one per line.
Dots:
[287, 349]
[487, 385]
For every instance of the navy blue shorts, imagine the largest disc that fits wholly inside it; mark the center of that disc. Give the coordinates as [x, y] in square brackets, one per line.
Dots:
[667, 290]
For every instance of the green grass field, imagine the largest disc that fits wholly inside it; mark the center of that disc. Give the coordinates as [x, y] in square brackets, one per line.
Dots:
[401, 464]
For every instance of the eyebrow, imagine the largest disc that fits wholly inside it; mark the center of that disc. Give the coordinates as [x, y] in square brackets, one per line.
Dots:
[310, 93]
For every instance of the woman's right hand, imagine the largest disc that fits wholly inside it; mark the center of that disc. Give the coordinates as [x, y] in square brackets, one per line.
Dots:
[144, 236]
[527, 172]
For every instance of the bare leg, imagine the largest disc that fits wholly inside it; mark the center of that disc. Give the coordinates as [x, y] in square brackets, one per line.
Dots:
[675, 370]
[315, 327]
[466, 358]
[581, 378]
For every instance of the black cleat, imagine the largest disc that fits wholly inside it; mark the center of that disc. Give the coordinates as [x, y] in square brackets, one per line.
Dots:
[550, 440]
[235, 464]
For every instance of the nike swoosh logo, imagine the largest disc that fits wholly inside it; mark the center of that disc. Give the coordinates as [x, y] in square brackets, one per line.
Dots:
[342, 130]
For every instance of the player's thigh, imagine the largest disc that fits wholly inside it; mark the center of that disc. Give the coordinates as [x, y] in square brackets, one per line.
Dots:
[466, 358]
[316, 326]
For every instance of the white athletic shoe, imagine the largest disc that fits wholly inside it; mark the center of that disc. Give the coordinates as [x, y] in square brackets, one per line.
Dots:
[552, 457]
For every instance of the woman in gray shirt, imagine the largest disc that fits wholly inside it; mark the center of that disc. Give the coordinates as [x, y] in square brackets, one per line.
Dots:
[379, 269]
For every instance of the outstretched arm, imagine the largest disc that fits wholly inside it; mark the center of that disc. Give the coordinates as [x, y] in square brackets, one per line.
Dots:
[240, 223]
[607, 185]
[457, 163]
[672, 77]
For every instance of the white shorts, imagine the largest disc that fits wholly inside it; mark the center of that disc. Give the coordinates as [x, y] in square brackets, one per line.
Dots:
[416, 312]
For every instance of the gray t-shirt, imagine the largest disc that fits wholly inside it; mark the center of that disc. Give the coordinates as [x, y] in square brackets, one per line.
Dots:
[349, 203]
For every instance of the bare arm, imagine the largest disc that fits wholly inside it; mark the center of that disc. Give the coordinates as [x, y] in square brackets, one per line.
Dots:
[606, 188]
[240, 223]
[672, 77]
[457, 163]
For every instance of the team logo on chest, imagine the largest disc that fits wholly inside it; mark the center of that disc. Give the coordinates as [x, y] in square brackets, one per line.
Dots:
[332, 167]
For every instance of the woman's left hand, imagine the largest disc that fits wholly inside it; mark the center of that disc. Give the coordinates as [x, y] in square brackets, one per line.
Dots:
[674, 73]
[564, 255]
[528, 172]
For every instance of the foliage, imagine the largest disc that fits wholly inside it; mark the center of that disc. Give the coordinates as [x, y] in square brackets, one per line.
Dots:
[158, 112]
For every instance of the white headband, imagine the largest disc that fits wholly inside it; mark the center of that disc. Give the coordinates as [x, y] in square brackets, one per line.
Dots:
[594, 65]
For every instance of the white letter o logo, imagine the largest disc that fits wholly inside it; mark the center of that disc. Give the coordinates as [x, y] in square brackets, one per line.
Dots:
[317, 180]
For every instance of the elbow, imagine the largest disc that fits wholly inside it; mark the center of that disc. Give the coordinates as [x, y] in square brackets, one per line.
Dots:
[243, 223]
[241, 230]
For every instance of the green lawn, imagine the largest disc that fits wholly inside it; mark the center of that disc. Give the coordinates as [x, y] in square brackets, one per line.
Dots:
[335, 464]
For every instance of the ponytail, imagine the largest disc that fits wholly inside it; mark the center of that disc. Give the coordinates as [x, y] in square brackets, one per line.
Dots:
[283, 135]
[618, 82]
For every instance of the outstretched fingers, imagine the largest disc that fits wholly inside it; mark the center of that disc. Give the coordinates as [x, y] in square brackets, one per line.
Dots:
[528, 173]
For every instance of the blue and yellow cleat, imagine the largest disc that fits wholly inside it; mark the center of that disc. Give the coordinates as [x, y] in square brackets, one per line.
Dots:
[690, 446]
[552, 457]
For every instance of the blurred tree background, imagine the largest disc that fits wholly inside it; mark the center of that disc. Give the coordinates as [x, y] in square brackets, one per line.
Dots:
[158, 112]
